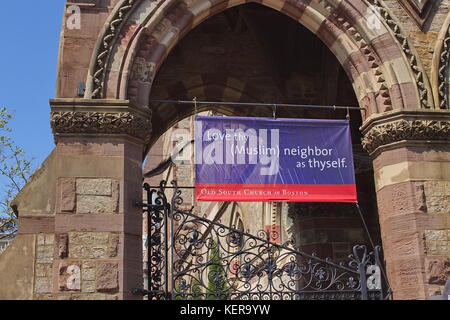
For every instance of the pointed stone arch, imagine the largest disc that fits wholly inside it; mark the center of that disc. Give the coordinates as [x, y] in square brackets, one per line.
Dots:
[365, 38]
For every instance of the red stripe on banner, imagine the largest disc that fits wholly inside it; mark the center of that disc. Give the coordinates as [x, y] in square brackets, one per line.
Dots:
[275, 193]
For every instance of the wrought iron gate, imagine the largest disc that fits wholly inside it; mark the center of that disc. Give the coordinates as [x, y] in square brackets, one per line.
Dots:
[193, 258]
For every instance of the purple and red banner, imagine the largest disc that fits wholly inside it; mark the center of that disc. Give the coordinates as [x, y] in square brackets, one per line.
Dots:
[276, 160]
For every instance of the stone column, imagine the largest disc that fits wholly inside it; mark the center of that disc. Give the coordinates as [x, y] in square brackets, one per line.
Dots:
[78, 208]
[411, 156]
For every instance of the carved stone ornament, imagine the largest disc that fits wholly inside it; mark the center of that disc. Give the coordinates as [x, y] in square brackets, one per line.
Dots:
[418, 130]
[107, 41]
[443, 75]
[80, 122]
[413, 59]
[123, 9]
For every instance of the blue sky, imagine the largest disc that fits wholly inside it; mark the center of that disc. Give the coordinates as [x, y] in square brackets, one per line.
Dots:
[28, 61]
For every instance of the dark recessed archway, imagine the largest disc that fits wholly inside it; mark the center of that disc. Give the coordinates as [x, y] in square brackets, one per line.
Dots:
[251, 53]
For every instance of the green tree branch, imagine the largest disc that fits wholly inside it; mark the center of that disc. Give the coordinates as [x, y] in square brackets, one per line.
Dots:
[15, 171]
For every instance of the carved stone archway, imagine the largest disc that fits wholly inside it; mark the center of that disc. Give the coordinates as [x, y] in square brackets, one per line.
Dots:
[382, 65]
[77, 211]
[366, 39]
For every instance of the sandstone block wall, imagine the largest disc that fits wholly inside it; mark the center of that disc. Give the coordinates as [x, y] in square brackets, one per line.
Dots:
[413, 203]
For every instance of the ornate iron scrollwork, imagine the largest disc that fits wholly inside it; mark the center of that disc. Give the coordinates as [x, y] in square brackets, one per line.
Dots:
[193, 258]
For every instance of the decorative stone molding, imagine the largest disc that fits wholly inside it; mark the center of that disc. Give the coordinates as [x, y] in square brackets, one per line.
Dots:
[86, 117]
[419, 10]
[407, 49]
[406, 127]
[100, 122]
[366, 50]
[443, 76]
[108, 39]
[98, 69]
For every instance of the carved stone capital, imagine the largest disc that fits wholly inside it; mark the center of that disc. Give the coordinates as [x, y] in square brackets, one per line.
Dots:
[419, 126]
[95, 117]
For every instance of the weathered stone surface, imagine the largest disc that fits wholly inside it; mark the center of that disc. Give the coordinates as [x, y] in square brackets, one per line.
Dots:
[94, 204]
[437, 242]
[113, 247]
[17, 269]
[58, 296]
[49, 239]
[438, 196]
[88, 274]
[405, 198]
[69, 276]
[40, 239]
[439, 204]
[45, 239]
[88, 286]
[408, 272]
[99, 252]
[403, 245]
[43, 270]
[44, 254]
[410, 293]
[438, 270]
[107, 277]
[435, 290]
[436, 235]
[67, 195]
[115, 196]
[410, 171]
[43, 285]
[79, 252]
[437, 188]
[88, 252]
[88, 238]
[63, 245]
[97, 187]
[88, 297]
[89, 264]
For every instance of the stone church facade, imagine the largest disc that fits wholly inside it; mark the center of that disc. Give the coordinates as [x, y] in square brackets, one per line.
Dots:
[80, 233]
